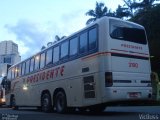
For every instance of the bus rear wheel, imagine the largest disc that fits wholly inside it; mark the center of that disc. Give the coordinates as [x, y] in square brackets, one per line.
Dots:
[46, 105]
[60, 102]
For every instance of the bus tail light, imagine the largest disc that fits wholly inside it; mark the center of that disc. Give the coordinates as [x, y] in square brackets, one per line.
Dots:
[108, 79]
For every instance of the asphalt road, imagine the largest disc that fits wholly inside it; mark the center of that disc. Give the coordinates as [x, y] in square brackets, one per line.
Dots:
[111, 113]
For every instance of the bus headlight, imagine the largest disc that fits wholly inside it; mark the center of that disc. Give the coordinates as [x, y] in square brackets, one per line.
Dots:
[3, 100]
[25, 87]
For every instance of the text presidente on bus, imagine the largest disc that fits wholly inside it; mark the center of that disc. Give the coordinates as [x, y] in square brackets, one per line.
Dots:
[45, 75]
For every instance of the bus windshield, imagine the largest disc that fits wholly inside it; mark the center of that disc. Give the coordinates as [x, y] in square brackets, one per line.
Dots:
[128, 33]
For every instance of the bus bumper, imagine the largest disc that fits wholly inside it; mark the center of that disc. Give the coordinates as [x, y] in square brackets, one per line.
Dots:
[130, 94]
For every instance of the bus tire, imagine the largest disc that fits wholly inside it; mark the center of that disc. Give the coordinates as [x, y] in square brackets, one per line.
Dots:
[60, 102]
[46, 103]
[13, 103]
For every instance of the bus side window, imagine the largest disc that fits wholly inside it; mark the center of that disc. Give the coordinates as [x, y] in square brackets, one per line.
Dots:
[9, 74]
[56, 54]
[37, 61]
[83, 44]
[16, 71]
[42, 60]
[73, 47]
[23, 68]
[19, 69]
[92, 38]
[49, 56]
[13, 72]
[27, 67]
[64, 50]
[32, 65]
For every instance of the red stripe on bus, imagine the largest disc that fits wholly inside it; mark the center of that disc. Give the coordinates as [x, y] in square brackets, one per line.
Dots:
[109, 53]
[96, 54]
[138, 53]
[129, 51]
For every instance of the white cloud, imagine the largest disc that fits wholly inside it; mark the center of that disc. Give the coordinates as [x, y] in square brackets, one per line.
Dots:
[30, 36]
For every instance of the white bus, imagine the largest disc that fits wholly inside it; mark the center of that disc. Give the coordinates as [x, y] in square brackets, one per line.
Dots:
[106, 63]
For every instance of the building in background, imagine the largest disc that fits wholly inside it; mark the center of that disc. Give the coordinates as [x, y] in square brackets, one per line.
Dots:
[9, 55]
[8, 47]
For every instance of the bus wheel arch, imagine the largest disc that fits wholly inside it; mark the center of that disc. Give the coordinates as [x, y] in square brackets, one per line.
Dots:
[60, 100]
[46, 102]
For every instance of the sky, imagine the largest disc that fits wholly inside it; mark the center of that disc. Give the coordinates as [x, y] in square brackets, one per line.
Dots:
[33, 23]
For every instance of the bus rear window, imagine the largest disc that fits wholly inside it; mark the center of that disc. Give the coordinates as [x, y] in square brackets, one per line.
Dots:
[128, 34]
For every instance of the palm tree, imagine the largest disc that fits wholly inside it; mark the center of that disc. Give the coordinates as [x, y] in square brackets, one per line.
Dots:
[59, 38]
[122, 12]
[43, 47]
[100, 11]
[145, 4]
[129, 4]
[49, 44]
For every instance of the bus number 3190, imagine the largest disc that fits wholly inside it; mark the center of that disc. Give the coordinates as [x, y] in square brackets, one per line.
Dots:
[133, 65]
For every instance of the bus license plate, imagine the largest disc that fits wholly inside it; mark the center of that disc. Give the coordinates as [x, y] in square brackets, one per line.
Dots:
[134, 95]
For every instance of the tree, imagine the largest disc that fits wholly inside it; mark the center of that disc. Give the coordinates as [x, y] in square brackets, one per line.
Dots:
[43, 47]
[49, 44]
[133, 7]
[144, 4]
[100, 11]
[59, 38]
[122, 12]
[128, 4]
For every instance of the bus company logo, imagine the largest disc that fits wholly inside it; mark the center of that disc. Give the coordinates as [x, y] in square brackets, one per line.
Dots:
[45, 75]
[131, 46]
[148, 117]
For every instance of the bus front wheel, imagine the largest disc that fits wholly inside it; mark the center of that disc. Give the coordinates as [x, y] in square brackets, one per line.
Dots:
[46, 102]
[13, 103]
[60, 102]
